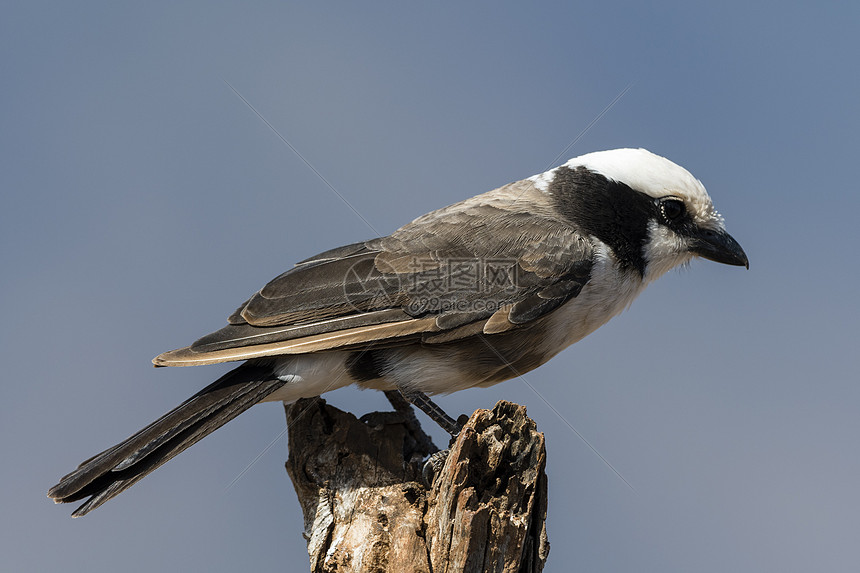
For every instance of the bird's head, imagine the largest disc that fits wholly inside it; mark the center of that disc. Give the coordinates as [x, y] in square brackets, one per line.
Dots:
[653, 213]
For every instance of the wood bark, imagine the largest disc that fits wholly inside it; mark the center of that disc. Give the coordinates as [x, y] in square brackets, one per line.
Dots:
[366, 507]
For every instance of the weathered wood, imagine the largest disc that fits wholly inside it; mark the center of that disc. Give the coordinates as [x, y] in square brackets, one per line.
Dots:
[366, 509]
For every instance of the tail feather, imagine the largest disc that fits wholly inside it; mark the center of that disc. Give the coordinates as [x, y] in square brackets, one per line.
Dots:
[111, 472]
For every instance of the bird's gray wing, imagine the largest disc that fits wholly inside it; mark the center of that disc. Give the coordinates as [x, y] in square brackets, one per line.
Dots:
[481, 266]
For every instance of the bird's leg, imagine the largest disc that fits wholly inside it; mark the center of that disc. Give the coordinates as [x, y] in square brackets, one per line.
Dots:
[402, 398]
[437, 414]
[433, 465]
[404, 409]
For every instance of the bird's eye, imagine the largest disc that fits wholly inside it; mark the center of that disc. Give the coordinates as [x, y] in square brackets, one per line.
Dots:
[672, 209]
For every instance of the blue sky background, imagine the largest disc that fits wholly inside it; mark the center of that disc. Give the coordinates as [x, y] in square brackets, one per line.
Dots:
[142, 201]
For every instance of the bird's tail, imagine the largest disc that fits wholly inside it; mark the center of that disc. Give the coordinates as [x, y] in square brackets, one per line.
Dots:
[116, 469]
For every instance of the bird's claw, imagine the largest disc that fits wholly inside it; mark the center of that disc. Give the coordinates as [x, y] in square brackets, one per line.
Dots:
[433, 466]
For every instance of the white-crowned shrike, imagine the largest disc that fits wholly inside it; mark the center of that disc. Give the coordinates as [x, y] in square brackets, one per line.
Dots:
[469, 295]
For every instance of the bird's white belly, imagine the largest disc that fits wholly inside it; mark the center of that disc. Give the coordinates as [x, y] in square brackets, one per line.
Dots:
[308, 375]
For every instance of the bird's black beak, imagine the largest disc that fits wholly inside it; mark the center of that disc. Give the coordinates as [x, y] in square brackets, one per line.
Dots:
[720, 247]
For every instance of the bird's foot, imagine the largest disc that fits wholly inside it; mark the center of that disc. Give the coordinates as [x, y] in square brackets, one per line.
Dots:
[433, 466]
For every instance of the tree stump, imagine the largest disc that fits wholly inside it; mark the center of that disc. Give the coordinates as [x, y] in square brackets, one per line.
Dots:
[366, 507]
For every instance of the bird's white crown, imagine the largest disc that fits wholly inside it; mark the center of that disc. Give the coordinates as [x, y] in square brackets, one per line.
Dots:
[647, 173]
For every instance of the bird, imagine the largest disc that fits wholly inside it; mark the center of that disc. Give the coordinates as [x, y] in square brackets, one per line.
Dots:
[466, 296]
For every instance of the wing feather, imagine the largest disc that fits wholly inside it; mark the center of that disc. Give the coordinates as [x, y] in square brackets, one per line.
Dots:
[339, 339]
[485, 265]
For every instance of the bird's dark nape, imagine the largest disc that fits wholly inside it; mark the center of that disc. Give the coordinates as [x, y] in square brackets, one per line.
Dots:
[111, 472]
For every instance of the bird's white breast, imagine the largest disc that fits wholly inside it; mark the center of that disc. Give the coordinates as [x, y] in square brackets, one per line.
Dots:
[609, 291]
